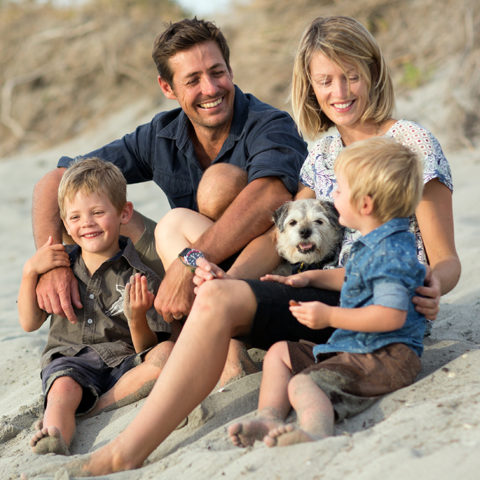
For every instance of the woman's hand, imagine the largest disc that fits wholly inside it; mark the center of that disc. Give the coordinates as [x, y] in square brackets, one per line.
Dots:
[206, 271]
[427, 300]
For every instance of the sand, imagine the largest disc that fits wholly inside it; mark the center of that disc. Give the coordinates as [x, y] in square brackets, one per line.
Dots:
[430, 430]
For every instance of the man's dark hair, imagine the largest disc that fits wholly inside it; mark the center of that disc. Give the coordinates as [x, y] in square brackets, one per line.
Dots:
[183, 35]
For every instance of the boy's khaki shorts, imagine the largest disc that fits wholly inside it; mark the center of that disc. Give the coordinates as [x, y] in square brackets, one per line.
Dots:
[353, 381]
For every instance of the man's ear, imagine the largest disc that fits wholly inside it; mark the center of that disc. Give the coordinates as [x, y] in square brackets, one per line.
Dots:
[166, 88]
[126, 213]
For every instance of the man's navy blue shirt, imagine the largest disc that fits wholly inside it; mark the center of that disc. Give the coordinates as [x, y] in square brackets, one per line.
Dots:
[263, 141]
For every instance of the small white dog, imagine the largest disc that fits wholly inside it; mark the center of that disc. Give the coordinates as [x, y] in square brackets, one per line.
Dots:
[308, 235]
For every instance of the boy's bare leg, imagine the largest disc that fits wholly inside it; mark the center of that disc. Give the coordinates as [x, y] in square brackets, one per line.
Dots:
[273, 402]
[314, 412]
[55, 431]
[223, 309]
[137, 382]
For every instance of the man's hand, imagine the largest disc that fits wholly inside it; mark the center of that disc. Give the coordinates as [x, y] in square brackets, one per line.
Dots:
[175, 296]
[429, 302]
[57, 290]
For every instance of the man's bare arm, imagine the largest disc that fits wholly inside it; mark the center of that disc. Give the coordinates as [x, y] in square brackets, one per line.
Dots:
[249, 216]
[45, 213]
[58, 288]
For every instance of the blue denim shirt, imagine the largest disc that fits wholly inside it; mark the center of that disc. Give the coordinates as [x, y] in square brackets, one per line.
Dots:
[263, 141]
[382, 269]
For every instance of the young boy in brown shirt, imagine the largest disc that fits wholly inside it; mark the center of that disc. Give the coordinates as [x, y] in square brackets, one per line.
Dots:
[112, 354]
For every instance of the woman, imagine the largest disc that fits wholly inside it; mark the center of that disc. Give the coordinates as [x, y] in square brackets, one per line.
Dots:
[340, 79]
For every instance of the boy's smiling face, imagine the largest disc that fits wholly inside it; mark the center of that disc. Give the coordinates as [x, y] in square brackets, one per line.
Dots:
[94, 223]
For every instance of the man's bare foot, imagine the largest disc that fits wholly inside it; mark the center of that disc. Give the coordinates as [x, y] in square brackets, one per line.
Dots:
[244, 434]
[288, 434]
[48, 440]
[107, 459]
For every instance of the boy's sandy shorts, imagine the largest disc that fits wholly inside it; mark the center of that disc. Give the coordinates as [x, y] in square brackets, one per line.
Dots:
[353, 381]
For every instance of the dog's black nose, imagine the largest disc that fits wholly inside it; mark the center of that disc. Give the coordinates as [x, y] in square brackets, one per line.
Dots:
[305, 232]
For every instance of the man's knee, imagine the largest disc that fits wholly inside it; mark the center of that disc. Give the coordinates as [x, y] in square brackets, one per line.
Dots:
[219, 186]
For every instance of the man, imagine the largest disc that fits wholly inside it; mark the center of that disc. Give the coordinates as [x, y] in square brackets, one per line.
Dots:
[216, 123]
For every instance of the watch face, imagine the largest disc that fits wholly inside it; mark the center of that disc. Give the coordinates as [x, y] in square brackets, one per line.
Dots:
[192, 256]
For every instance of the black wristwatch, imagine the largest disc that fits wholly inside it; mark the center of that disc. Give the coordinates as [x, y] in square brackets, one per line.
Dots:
[188, 257]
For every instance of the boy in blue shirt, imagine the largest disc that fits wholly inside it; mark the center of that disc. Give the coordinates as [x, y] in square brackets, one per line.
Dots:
[376, 347]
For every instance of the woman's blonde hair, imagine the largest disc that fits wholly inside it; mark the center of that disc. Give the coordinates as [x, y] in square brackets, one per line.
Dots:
[344, 41]
[387, 171]
[92, 175]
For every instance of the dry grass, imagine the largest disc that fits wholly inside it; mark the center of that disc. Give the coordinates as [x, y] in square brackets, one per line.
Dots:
[61, 70]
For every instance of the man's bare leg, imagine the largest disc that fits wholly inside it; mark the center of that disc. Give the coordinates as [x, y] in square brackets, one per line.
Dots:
[223, 309]
[314, 413]
[137, 382]
[273, 402]
[56, 430]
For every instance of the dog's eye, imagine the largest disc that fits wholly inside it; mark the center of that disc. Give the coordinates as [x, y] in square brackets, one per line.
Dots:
[292, 223]
[320, 222]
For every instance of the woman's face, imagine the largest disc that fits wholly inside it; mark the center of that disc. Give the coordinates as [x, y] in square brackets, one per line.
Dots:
[341, 92]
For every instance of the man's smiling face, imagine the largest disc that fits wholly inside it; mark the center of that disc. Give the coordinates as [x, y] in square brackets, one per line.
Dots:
[203, 86]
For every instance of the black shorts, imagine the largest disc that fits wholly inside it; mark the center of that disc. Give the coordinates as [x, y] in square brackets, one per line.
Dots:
[273, 321]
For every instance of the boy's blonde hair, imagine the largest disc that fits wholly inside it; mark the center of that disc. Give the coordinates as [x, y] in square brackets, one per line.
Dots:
[92, 175]
[387, 171]
[344, 41]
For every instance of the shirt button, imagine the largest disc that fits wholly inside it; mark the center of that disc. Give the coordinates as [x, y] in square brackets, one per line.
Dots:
[89, 321]
[91, 296]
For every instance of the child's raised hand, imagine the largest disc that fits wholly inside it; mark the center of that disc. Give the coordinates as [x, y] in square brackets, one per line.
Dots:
[313, 315]
[138, 298]
[47, 257]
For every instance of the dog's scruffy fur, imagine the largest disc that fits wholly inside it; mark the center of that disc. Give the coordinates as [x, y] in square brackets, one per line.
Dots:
[308, 235]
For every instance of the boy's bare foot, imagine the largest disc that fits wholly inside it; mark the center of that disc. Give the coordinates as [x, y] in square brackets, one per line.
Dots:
[244, 434]
[48, 440]
[288, 434]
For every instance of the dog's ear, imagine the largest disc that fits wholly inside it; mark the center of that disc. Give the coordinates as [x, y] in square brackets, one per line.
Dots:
[280, 214]
[331, 213]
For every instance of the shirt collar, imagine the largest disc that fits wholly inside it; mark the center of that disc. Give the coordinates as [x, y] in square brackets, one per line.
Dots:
[373, 238]
[178, 128]
[127, 250]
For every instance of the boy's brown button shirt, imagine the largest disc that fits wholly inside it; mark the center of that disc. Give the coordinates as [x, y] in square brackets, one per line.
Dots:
[102, 325]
